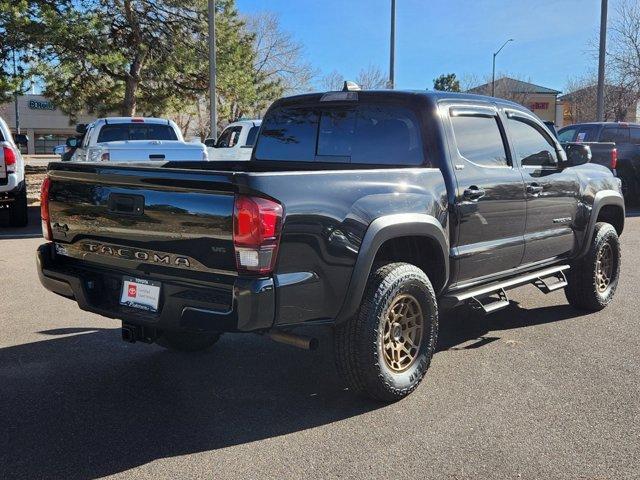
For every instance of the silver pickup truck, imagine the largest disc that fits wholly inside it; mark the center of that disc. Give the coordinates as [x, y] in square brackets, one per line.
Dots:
[134, 139]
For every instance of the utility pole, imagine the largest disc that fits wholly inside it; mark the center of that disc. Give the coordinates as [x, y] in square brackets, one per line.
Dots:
[212, 70]
[15, 93]
[392, 50]
[601, 60]
[493, 71]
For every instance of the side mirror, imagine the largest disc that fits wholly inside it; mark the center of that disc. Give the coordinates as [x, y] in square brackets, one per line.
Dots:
[577, 154]
[72, 142]
[81, 128]
[21, 139]
[60, 150]
[210, 142]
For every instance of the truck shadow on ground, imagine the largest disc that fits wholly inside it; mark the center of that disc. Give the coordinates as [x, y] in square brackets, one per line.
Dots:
[83, 404]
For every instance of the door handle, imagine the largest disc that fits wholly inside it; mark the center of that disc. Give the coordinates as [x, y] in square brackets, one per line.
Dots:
[473, 193]
[534, 188]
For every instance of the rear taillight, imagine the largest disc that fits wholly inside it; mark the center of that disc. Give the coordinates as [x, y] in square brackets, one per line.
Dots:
[44, 209]
[257, 223]
[614, 158]
[9, 158]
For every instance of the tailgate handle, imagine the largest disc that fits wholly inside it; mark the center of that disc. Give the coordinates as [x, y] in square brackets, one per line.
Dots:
[156, 156]
[126, 204]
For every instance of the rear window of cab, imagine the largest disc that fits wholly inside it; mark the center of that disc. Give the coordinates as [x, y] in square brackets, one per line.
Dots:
[372, 134]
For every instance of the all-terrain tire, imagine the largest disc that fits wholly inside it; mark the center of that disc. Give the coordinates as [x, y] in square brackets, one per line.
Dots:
[18, 211]
[187, 341]
[588, 289]
[363, 345]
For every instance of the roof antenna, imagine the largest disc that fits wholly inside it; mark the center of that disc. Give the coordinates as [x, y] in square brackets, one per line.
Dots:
[350, 86]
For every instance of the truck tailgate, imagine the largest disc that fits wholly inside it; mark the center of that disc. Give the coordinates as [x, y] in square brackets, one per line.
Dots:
[171, 222]
[154, 150]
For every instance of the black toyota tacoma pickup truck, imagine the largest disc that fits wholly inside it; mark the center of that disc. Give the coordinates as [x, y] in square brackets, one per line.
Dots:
[367, 211]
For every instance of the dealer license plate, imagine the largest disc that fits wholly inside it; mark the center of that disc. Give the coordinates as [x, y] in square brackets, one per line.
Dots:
[140, 293]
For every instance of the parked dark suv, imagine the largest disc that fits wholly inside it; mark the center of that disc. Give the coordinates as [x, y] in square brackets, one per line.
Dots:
[368, 211]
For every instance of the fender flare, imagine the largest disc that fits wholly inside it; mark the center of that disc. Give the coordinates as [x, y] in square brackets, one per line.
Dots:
[380, 230]
[602, 198]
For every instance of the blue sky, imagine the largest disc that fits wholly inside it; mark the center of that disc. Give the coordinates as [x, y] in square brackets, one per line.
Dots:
[552, 38]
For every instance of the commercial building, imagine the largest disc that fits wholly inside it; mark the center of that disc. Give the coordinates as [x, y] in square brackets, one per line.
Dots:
[620, 105]
[43, 122]
[540, 100]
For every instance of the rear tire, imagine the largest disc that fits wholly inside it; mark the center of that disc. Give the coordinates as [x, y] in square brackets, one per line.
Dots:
[18, 211]
[593, 279]
[187, 341]
[385, 350]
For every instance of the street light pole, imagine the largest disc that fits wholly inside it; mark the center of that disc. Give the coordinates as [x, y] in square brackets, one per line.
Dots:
[392, 50]
[601, 59]
[212, 70]
[493, 71]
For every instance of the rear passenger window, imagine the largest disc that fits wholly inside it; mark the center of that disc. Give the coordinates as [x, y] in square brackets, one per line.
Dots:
[288, 134]
[366, 134]
[531, 146]
[635, 135]
[617, 135]
[479, 140]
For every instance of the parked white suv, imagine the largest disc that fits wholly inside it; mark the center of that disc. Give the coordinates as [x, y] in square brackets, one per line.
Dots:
[13, 188]
[235, 142]
[135, 139]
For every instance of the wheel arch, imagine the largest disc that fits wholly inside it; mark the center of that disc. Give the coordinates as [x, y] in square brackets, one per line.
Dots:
[608, 206]
[378, 244]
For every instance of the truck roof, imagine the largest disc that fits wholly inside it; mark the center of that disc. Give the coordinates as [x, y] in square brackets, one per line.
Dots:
[113, 120]
[433, 95]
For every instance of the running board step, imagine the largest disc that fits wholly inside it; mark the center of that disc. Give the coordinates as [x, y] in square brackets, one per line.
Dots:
[497, 304]
[547, 280]
[559, 281]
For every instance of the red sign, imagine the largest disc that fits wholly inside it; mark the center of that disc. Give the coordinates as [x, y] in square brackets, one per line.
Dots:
[539, 106]
[132, 291]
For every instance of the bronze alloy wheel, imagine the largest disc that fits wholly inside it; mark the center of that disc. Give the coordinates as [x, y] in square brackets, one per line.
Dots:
[402, 333]
[604, 267]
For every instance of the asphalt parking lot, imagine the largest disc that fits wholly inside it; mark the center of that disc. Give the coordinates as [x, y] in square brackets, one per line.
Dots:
[534, 391]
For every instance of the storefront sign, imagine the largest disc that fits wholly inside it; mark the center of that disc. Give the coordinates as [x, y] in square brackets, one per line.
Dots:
[539, 106]
[41, 105]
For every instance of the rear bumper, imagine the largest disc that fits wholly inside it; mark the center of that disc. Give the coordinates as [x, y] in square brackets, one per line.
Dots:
[248, 304]
[11, 189]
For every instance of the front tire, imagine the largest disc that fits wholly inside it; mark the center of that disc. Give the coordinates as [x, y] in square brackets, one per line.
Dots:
[593, 279]
[187, 341]
[385, 350]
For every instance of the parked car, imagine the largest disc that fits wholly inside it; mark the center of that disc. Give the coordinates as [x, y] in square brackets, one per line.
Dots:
[13, 186]
[614, 145]
[235, 142]
[133, 139]
[366, 211]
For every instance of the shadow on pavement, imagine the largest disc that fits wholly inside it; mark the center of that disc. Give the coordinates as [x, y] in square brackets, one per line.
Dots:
[32, 230]
[83, 404]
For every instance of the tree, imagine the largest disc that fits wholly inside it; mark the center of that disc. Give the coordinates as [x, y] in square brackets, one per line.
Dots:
[624, 46]
[447, 83]
[371, 78]
[279, 66]
[141, 56]
[13, 47]
[332, 81]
